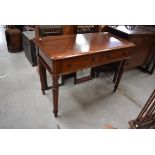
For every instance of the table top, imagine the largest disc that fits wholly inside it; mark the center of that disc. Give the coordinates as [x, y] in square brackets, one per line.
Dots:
[62, 47]
[137, 30]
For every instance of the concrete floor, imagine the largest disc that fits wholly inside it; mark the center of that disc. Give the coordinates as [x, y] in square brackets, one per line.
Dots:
[88, 105]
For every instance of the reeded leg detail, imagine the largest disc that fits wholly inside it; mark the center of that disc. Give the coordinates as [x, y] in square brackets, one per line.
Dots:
[55, 89]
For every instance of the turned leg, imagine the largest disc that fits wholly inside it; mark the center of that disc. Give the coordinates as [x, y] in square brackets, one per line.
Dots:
[43, 78]
[55, 89]
[120, 73]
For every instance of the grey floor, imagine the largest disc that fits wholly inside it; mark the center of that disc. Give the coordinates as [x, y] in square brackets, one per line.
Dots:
[88, 105]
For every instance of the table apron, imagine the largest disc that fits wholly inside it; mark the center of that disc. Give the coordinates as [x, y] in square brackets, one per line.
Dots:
[87, 61]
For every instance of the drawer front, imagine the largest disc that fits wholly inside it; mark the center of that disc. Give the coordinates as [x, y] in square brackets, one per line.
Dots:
[81, 62]
[114, 56]
[78, 63]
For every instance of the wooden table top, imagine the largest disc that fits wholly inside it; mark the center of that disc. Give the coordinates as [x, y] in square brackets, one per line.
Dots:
[62, 47]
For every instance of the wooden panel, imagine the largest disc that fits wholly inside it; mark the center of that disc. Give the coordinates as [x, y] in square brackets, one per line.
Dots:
[141, 51]
[142, 41]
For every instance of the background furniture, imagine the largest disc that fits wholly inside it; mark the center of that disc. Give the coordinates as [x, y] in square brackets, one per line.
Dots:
[13, 39]
[142, 38]
[68, 29]
[29, 47]
[146, 118]
[86, 29]
[50, 30]
[97, 49]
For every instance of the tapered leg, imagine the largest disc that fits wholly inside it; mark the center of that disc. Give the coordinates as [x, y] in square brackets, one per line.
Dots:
[97, 71]
[92, 72]
[43, 78]
[117, 72]
[75, 77]
[120, 73]
[55, 90]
